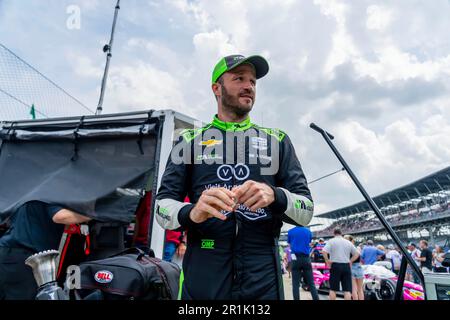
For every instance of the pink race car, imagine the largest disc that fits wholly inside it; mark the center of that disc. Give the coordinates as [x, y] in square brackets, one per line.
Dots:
[379, 283]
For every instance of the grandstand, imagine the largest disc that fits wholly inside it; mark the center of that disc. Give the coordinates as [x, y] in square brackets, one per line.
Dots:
[420, 209]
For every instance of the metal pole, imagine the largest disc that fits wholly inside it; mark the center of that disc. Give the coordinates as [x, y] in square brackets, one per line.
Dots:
[327, 136]
[400, 280]
[107, 49]
[440, 187]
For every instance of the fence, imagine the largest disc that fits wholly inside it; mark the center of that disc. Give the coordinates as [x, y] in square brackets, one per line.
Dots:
[25, 93]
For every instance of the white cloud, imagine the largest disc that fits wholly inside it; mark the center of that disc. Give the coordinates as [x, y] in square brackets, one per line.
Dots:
[378, 17]
[343, 46]
[84, 66]
[394, 64]
[158, 53]
[399, 150]
[140, 86]
[88, 4]
[215, 43]
[193, 9]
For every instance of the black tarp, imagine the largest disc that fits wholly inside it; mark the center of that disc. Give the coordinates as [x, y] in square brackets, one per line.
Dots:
[98, 169]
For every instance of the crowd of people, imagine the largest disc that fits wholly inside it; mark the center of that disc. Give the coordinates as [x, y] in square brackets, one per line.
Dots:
[345, 259]
[399, 218]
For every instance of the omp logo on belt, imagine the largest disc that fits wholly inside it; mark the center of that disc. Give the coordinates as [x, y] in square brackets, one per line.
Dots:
[207, 244]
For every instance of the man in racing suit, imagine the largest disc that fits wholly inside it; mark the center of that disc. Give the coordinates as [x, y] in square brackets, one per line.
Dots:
[243, 180]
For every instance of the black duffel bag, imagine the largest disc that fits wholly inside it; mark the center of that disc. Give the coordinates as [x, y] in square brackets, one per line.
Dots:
[131, 274]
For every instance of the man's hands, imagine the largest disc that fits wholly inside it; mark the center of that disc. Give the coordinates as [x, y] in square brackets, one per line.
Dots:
[211, 202]
[325, 257]
[253, 195]
[181, 249]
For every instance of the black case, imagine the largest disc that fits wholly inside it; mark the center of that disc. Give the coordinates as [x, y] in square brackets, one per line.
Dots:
[131, 274]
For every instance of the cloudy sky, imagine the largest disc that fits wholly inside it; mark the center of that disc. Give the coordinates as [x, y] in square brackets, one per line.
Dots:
[374, 73]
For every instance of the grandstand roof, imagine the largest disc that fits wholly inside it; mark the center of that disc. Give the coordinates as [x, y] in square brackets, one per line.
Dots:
[432, 183]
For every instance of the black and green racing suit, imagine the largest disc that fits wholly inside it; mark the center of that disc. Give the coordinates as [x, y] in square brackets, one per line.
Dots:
[236, 258]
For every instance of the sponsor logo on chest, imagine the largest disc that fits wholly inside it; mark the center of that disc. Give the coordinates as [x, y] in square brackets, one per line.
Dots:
[259, 143]
[211, 143]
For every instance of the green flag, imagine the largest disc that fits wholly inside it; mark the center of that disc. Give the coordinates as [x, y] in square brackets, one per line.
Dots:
[33, 112]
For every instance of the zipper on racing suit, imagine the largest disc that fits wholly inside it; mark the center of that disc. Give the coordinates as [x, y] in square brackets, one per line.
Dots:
[237, 261]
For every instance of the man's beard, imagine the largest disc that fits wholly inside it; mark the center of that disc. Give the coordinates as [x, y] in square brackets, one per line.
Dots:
[232, 104]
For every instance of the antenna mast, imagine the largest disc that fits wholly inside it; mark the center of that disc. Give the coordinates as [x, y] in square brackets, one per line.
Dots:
[107, 49]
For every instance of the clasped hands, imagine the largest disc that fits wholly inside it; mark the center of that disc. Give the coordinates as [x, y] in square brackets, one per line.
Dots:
[252, 194]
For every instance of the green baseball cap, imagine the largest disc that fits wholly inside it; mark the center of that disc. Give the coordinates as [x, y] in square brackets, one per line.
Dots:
[230, 62]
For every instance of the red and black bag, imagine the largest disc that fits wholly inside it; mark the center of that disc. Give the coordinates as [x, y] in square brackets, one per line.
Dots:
[131, 274]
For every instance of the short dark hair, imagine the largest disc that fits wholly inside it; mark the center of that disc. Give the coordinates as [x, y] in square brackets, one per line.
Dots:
[337, 231]
[425, 242]
[348, 237]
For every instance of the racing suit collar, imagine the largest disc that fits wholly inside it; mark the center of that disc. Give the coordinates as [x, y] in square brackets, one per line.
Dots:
[231, 126]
